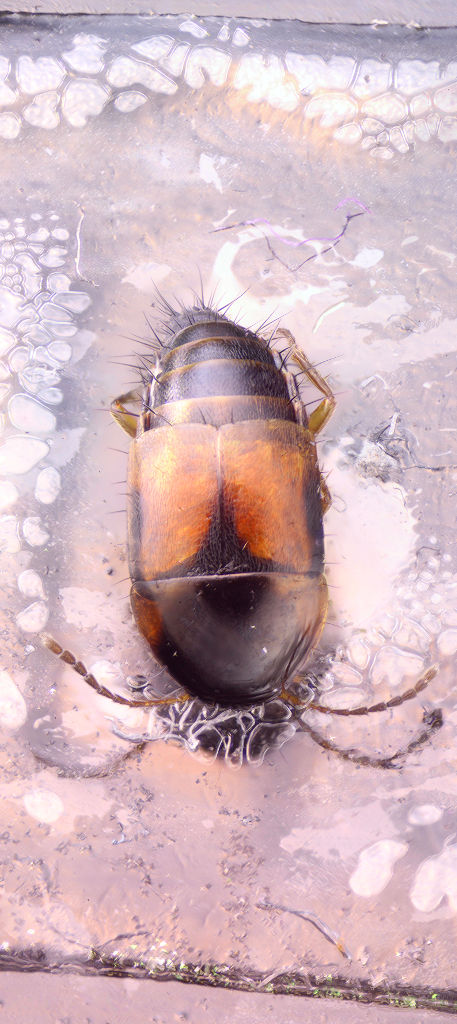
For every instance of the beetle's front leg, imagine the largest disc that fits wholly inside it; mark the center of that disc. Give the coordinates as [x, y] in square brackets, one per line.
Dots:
[123, 416]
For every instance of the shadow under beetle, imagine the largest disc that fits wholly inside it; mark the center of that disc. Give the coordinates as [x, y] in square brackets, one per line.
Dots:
[225, 509]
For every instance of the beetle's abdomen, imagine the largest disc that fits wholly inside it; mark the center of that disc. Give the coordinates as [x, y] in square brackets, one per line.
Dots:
[216, 372]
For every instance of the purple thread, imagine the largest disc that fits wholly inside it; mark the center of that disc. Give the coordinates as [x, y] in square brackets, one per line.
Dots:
[306, 241]
[352, 199]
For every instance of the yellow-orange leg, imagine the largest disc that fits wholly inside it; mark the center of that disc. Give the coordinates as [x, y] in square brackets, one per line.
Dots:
[124, 417]
[320, 416]
[326, 497]
[103, 691]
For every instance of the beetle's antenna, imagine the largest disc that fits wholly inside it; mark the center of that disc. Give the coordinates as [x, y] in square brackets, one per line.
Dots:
[91, 681]
[384, 705]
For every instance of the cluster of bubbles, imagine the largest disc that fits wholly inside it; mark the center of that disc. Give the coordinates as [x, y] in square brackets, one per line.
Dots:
[419, 628]
[384, 106]
[39, 335]
[238, 735]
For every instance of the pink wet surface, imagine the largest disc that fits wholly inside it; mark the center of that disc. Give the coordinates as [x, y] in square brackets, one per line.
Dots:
[161, 859]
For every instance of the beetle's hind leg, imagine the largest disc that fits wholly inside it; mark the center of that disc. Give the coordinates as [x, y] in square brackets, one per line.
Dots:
[325, 409]
[432, 721]
[103, 691]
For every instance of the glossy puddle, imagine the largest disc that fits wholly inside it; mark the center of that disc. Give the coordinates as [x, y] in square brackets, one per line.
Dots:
[307, 175]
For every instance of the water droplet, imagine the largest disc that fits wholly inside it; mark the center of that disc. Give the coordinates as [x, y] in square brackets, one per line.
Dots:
[425, 814]
[43, 805]
[39, 75]
[33, 618]
[8, 494]
[76, 302]
[48, 485]
[30, 584]
[375, 867]
[19, 454]
[9, 535]
[60, 350]
[13, 709]
[28, 415]
[33, 532]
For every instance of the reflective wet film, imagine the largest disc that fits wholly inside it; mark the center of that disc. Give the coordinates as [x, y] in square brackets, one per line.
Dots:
[306, 175]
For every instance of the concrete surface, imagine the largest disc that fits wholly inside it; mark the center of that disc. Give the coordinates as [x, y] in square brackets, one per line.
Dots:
[416, 13]
[69, 999]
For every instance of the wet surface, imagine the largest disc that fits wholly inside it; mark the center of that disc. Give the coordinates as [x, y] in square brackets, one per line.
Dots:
[309, 177]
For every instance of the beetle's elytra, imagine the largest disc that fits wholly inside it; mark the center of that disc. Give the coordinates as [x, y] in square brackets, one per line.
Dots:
[225, 507]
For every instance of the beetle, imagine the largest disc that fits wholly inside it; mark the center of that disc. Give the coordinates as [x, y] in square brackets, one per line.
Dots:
[225, 506]
[225, 513]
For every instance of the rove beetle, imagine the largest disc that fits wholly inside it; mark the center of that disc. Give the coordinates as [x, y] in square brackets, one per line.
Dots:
[225, 509]
[225, 506]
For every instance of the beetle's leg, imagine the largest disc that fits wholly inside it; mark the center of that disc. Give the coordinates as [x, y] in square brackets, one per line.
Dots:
[103, 691]
[384, 705]
[319, 417]
[432, 720]
[326, 497]
[126, 419]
